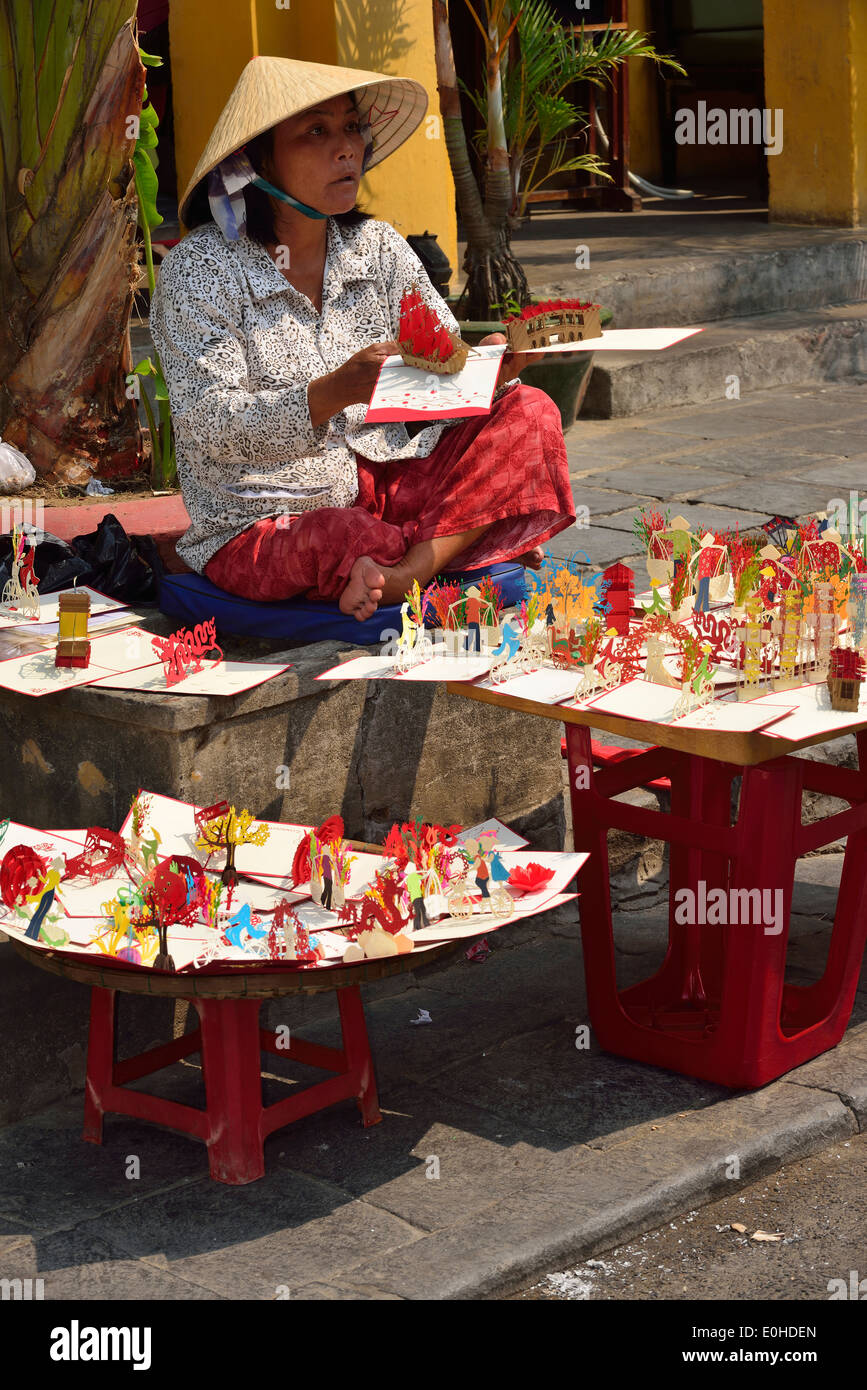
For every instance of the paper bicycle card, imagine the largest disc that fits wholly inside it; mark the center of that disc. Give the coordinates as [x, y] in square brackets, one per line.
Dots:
[48, 608]
[409, 393]
[647, 702]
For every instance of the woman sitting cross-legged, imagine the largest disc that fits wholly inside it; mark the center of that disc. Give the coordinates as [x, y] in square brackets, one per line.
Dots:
[272, 319]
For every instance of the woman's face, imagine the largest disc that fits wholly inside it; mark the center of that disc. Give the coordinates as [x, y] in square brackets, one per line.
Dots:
[316, 155]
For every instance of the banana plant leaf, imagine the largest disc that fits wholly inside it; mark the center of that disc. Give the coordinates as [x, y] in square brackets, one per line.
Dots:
[68, 216]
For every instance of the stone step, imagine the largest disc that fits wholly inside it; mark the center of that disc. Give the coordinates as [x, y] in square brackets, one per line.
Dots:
[773, 270]
[762, 350]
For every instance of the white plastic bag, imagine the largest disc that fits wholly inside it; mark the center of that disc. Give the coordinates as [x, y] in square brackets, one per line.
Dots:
[16, 471]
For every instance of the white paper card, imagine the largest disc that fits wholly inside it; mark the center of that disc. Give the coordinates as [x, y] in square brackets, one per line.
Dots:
[215, 678]
[48, 607]
[547, 686]
[625, 340]
[494, 835]
[409, 393]
[734, 716]
[812, 713]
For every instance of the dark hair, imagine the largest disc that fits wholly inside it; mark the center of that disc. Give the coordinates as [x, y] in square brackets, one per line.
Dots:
[260, 213]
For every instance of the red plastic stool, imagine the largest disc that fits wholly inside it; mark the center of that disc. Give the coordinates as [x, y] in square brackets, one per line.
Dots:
[234, 1123]
[604, 754]
[719, 1008]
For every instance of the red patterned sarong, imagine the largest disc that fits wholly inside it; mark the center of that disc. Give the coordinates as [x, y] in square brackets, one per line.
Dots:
[506, 470]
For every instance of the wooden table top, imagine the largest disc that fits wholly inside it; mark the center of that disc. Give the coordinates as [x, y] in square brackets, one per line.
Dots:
[745, 749]
[239, 982]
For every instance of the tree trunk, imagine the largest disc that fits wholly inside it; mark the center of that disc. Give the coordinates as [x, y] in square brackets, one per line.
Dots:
[491, 268]
[67, 236]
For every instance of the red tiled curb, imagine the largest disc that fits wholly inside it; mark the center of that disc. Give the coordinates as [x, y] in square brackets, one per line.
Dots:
[163, 518]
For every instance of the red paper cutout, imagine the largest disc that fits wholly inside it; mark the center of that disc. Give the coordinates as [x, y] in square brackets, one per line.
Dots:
[22, 874]
[103, 854]
[185, 649]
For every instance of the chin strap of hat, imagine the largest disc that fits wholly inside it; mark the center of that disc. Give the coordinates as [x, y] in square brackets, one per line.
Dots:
[286, 198]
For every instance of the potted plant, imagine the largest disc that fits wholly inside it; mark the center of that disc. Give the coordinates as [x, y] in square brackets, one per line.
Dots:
[527, 134]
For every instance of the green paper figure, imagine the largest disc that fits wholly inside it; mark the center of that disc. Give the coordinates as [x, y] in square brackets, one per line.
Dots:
[657, 604]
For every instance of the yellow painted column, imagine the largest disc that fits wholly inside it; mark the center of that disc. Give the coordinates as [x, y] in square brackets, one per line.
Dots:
[644, 79]
[816, 74]
[413, 189]
[208, 55]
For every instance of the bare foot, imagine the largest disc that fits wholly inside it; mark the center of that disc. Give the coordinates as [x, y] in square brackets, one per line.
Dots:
[363, 593]
[532, 559]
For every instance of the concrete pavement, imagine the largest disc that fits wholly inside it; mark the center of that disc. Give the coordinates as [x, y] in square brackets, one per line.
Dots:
[504, 1149]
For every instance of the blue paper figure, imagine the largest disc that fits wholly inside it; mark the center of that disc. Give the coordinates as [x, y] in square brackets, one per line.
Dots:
[241, 921]
[510, 643]
[39, 915]
[499, 872]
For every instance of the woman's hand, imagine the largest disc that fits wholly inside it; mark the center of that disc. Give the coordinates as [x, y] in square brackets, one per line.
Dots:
[350, 384]
[513, 363]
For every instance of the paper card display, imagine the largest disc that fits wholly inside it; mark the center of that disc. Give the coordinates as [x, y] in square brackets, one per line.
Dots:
[624, 340]
[215, 678]
[811, 713]
[36, 674]
[438, 668]
[155, 909]
[409, 393]
[648, 702]
[48, 609]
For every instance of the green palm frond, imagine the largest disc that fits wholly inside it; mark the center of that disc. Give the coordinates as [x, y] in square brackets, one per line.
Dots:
[551, 59]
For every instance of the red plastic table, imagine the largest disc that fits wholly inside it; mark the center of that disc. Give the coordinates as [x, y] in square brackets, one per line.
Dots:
[719, 1007]
[234, 1123]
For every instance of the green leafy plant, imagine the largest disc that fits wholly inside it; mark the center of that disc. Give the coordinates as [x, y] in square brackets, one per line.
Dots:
[164, 471]
[542, 125]
[69, 74]
[510, 304]
[528, 127]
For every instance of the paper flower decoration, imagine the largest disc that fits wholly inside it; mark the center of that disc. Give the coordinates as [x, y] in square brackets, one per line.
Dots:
[530, 878]
[22, 875]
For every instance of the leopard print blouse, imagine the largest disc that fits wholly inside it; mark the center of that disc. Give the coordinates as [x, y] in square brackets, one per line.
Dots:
[238, 345]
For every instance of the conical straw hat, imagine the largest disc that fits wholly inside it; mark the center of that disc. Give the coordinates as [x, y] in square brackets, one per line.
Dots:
[271, 89]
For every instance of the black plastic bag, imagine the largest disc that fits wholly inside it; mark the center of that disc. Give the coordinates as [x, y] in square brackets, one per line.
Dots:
[122, 566]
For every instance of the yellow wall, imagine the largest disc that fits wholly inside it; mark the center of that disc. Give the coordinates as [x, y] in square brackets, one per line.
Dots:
[413, 189]
[816, 73]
